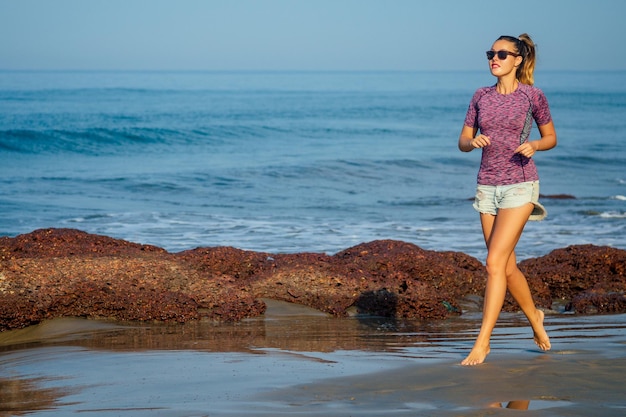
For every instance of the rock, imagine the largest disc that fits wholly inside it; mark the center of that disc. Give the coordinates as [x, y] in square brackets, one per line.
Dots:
[64, 272]
[594, 302]
[47, 243]
[585, 274]
[558, 196]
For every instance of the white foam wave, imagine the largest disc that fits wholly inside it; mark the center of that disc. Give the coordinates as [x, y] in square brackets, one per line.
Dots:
[613, 215]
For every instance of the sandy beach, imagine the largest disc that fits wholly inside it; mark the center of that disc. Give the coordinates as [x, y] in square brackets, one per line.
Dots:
[298, 361]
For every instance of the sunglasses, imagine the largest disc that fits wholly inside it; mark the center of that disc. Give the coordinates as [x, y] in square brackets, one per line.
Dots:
[502, 55]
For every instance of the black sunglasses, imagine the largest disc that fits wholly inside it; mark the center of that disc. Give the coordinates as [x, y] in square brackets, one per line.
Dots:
[502, 55]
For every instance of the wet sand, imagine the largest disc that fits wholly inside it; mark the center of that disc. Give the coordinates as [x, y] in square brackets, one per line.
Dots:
[298, 361]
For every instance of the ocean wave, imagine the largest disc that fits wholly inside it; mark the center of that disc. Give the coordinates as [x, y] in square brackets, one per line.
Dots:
[89, 141]
[607, 214]
[107, 141]
[599, 159]
[613, 215]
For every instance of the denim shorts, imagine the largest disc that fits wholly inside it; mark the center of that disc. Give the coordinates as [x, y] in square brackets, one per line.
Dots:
[490, 198]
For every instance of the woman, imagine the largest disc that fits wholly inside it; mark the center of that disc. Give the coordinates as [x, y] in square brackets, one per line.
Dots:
[498, 121]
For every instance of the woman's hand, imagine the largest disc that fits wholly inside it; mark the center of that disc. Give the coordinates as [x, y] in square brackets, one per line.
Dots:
[547, 141]
[526, 149]
[480, 141]
[468, 140]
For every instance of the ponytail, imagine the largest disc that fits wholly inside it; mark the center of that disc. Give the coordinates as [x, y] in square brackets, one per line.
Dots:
[526, 48]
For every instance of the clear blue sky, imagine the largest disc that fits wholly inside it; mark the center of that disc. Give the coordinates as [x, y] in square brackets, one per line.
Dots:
[304, 34]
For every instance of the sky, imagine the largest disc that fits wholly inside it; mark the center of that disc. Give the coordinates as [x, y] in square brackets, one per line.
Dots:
[304, 35]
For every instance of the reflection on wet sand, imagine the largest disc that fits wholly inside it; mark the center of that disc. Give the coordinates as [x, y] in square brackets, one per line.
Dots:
[537, 404]
[300, 360]
[23, 396]
[513, 405]
[285, 326]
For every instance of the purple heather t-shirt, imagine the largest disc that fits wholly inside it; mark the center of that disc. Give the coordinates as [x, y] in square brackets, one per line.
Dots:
[507, 121]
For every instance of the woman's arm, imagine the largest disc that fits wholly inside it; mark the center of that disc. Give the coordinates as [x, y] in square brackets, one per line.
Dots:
[547, 141]
[468, 141]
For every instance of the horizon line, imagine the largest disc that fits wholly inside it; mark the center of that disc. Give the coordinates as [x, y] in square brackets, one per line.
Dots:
[285, 70]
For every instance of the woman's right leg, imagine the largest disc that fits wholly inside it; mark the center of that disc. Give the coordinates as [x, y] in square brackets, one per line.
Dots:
[502, 233]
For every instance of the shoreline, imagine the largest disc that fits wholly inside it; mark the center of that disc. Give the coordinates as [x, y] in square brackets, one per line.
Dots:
[298, 360]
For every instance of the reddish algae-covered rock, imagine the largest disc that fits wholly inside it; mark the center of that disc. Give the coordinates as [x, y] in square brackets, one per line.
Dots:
[65, 272]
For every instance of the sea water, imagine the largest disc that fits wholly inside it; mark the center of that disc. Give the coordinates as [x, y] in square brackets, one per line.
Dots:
[287, 162]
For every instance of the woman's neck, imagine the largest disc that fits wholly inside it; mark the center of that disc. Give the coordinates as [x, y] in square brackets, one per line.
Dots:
[506, 85]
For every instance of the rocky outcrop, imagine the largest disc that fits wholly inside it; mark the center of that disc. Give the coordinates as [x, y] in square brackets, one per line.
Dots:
[65, 272]
[590, 279]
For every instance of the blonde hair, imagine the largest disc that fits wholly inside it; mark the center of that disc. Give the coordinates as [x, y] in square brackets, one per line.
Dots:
[526, 48]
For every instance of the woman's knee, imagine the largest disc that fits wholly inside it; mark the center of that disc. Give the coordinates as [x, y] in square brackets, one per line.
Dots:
[498, 264]
[495, 265]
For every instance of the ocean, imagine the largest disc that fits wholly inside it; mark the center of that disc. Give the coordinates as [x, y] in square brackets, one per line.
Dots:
[286, 162]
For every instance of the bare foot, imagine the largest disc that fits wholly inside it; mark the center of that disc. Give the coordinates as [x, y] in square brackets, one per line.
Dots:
[540, 336]
[476, 356]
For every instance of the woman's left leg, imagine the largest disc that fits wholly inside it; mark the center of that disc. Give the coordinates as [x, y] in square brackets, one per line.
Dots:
[519, 289]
